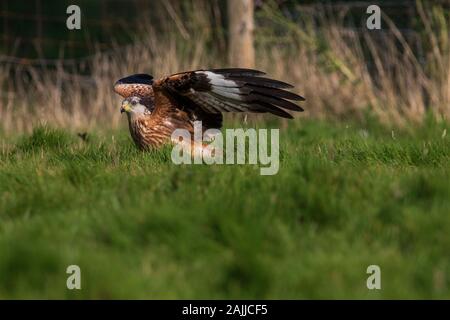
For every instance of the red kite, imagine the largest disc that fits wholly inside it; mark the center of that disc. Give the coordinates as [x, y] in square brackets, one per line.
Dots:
[155, 108]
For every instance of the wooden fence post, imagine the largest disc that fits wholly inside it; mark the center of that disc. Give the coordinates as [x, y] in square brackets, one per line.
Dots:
[240, 26]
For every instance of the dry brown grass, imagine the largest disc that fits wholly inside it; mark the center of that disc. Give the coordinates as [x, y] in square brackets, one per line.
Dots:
[327, 64]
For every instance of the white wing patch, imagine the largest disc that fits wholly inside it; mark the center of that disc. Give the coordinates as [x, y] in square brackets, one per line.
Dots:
[222, 87]
[218, 79]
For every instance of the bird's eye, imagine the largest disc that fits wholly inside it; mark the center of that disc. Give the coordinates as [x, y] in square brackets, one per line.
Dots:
[133, 103]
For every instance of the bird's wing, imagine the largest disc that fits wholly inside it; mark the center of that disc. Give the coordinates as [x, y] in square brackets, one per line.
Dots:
[135, 85]
[225, 90]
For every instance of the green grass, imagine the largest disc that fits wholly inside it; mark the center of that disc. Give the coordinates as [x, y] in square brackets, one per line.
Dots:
[345, 197]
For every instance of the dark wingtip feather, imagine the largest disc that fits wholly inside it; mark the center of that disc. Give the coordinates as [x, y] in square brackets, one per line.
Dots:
[261, 81]
[237, 72]
[258, 97]
[139, 78]
[272, 109]
[275, 92]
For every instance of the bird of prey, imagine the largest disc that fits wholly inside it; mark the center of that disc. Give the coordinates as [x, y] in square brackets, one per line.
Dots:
[155, 108]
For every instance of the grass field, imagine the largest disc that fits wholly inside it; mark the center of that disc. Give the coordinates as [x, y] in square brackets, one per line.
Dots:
[345, 197]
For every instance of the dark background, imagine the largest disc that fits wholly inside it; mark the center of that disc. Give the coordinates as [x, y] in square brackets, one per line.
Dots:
[37, 28]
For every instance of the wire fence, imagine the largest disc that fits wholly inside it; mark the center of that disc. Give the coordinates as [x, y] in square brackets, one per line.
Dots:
[34, 32]
[37, 28]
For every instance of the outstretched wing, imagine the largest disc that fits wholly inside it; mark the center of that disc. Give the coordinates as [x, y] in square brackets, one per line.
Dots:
[139, 85]
[228, 90]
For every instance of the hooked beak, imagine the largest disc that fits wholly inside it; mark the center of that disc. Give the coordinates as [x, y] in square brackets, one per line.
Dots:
[125, 107]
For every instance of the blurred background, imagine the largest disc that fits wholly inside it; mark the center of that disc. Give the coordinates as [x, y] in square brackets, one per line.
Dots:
[398, 74]
[364, 173]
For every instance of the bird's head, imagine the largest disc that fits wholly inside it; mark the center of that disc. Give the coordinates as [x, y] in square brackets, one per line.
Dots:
[136, 106]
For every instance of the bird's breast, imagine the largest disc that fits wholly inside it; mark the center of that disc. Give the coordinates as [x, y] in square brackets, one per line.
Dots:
[148, 133]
